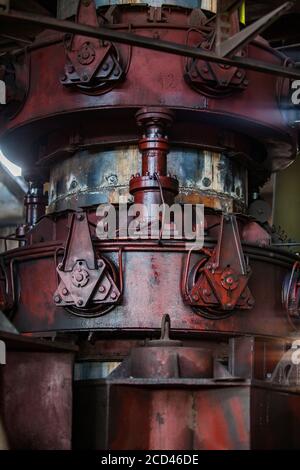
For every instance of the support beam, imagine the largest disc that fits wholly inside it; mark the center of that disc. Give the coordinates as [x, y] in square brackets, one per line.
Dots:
[145, 42]
[236, 42]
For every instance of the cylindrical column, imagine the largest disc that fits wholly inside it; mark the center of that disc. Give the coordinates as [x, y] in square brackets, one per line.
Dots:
[154, 186]
[35, 204]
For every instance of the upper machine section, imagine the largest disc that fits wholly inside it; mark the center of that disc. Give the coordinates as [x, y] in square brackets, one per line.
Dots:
[224, 82]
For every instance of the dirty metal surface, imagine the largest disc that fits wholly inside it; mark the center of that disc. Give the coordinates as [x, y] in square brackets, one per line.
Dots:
[90, 178]
[36, 400]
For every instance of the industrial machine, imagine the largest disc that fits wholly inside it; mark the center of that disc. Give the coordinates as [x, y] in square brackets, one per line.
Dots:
[148, 342]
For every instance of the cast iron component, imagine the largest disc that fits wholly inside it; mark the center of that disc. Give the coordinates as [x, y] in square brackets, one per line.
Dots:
[167, 358]
[226, 39]
[154, 185]
[87, 284]
[212, 79]
[35, 203]
[91, 64]
[218, 285]
[103, 176]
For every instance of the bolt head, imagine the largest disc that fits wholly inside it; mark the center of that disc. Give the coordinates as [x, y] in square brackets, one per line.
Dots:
[57, 299]
[113, 295]
[80, 302]
[79, 277]
[195, 297]
[102, 289]
[65, 291]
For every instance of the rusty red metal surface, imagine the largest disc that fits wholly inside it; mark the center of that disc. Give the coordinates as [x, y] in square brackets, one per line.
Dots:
[36, 393]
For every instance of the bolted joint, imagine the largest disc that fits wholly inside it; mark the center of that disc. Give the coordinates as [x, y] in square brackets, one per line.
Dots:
[155, 121]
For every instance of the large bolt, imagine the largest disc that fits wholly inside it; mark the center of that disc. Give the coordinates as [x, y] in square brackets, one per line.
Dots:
[79, 277]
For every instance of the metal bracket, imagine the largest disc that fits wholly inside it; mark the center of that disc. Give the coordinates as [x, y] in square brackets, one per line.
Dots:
[90, 59]
[84, 280]
[221, 281]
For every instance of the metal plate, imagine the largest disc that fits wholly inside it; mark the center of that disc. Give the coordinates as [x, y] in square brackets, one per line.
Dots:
[90, 178]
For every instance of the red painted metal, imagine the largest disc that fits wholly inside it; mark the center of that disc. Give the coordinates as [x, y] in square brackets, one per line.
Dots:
[36, 393]
[222, 279]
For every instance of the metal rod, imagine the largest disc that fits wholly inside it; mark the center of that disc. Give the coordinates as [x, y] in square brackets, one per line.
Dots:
[286, 244]
[236, 42]
[148, 43]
